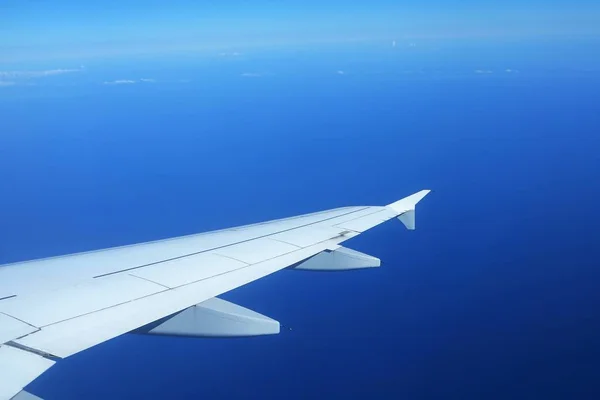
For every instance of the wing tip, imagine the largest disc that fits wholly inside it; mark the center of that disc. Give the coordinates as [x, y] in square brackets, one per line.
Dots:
[408, 203]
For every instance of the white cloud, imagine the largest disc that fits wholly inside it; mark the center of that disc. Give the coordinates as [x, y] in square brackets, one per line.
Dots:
[119, 82]
[37, 74]
[129, 81]
[251, 75]
[484, 71]
[7, 83]
[340, 72]
[511, 71]
[232, 54]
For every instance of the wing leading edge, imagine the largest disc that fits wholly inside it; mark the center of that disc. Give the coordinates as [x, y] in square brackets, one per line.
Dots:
[50, 309]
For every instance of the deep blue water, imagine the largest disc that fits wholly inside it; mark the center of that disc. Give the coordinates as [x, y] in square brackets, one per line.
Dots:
[494, 296]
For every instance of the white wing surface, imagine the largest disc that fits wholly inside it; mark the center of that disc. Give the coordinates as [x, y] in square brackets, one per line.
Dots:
[53, 308]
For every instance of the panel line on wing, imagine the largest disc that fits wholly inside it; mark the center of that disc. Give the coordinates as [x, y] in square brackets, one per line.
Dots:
[20, 320]
[283, 241]
[227, 245]
[231, 258]
[149, 280]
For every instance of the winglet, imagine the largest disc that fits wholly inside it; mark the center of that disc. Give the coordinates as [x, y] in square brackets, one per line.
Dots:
[406, 208]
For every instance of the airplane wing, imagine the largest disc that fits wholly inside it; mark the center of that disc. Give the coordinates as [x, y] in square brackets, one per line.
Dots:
[53, 308]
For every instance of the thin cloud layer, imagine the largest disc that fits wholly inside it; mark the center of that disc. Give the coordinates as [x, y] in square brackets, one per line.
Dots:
[119, 82]
[36, 74]
[129, 81]
[251, 75]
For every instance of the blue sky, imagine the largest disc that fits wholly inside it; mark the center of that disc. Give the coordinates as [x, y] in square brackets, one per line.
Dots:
[35, 31]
